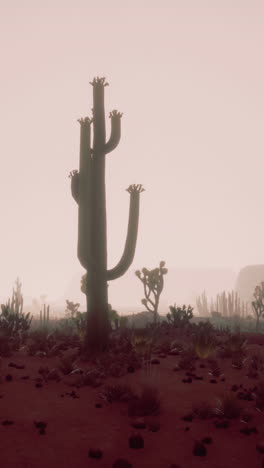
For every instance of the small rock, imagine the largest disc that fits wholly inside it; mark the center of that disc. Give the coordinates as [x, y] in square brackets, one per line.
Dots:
[121, 463]
[260, 447]
[224, 424]
[40, 354]
[9, 377]
[98, 405]
[207, 440]
[136, 441]
[155, 361]
[154, 427]
[7, 422]
[95, 453]
[199, 449]
[139, 423]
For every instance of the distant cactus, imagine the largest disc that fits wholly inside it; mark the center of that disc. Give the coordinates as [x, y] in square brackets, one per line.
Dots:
[180, 316]
[72, 307]
[88, 190]
[44, 316]
[153, 283]
[258, 303]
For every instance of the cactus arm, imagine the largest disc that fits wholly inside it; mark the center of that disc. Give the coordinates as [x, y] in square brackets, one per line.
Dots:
[74, 176]
[115, 131]
[131, 240]
[98, 114]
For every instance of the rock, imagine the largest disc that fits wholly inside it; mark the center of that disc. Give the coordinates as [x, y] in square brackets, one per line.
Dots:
[260, 446]
[136, 441]
[199, 449]
[121, 463]
[139, 423]
[95, 453]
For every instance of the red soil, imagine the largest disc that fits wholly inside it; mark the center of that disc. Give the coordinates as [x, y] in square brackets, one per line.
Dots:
[75, 425]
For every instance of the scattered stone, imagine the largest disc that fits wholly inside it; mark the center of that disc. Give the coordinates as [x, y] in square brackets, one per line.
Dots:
[199, 449]
[16, 366]
[7, 422]
[249, 430]
[95, 453]
[154, 361]
[234, 388]
[207, 440]
[9, 377]
[136, 441]
[98, 405]
[130, 369]
[25, 377]
[154, 427]
[139, 423]
[188, 417]
[224, 424]
[213, 381]
[121, 463]
[41, 354]
[260, 447]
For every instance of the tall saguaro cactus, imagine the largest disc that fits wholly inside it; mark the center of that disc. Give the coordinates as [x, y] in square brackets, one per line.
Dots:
[88, 190]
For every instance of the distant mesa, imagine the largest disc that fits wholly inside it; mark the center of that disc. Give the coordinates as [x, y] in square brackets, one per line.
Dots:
[248, 278]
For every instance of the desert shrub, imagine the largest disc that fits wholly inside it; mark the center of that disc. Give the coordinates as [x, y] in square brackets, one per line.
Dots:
[142, 343]
[203, 410]
[238, 361]
[204, 343]
[117, 392]
[228, 406]
[67, 364]
[148, 403]
[234, 345]
[187, 359]
[40, 340]
[180, 316]
[14, 323]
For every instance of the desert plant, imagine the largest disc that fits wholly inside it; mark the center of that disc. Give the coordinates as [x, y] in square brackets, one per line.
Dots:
[142, 343]
[44, 316]
[72, 308]
[88, 190]
[148, 403]
[202, 305]
[67, 364]
[228, 406]
[204, 343]
[180, 316]
[234, 345]
[117, 392]
[258, 303]
[153, 283]
[203, 410]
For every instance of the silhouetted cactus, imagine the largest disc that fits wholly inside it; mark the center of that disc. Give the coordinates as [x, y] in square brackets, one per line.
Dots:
[258, 303]
[88, 190]
[44, 316]
[153, 283]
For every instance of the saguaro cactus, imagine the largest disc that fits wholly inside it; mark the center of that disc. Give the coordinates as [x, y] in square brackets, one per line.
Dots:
[88, 190]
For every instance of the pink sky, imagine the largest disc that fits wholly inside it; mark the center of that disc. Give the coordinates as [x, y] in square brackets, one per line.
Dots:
[189, 80]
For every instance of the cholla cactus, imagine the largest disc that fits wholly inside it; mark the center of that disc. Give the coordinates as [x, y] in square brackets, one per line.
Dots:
[153, 283]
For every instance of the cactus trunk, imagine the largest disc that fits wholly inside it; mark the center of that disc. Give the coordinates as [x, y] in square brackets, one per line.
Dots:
[88, 190]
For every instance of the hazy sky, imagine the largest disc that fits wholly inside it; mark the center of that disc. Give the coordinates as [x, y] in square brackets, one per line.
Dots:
[188, 76]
